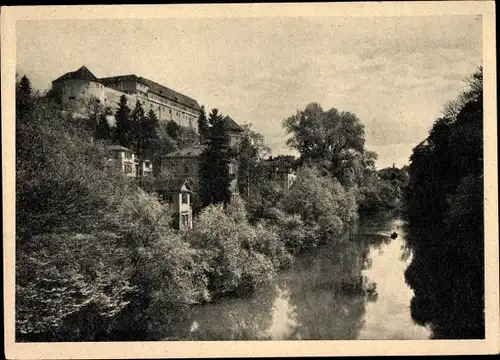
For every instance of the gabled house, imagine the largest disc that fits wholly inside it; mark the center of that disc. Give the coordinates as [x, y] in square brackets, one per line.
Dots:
[128, 162]
[126, 159]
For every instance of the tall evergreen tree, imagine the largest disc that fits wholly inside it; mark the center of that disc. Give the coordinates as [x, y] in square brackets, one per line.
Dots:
[24, 95]
[173, 129]
[214, 169]
[203, 128]
[137, 121]
[103, 130]
[150, 133]
[123, 125]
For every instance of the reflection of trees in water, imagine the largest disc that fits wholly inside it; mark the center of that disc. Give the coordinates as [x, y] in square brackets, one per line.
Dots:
[322, 296]
[448, 285]
[329, 292]
[230, 319]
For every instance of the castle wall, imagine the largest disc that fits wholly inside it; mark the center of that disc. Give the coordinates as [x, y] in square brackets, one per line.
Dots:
[112, 98]
[164, 109]
[76, 92]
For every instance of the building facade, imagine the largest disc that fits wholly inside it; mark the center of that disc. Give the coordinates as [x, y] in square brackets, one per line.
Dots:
[281, 172]
[80, 86]
[126, 160]
[178, 193]
[128, 163]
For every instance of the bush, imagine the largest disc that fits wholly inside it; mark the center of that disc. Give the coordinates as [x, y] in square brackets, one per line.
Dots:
[95, 255]
[321, 203]
[240, 256]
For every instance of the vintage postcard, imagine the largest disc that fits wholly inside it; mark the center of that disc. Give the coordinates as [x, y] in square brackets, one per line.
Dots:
[227, 180]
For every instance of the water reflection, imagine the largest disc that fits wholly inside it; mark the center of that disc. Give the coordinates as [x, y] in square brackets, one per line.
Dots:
[390, 318]
[351, 291]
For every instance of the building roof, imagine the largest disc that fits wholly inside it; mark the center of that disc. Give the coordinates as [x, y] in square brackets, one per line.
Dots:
[230, 124]
[175, 185]
[119, 148]
[190, 151]
[155, 88]
[81, 74]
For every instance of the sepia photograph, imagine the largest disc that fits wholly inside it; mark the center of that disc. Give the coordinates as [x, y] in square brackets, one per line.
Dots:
[187, 179]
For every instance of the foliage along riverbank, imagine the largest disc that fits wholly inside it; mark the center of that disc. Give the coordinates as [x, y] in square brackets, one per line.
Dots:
[97, 257]
[445, 210]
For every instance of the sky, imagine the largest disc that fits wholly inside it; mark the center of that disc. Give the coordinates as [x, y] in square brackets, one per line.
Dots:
[395, 73]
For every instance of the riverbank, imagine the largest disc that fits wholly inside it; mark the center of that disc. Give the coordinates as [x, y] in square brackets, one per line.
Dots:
[314, 299]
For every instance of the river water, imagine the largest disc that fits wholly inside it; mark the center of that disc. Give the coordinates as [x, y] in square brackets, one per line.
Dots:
[334, 292]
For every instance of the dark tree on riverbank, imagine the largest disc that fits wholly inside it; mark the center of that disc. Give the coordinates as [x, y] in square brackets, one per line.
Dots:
[444, 201]
[214, 168]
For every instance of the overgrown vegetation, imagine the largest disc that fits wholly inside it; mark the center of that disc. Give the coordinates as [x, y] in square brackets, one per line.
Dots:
[96, 255]
[445, 209]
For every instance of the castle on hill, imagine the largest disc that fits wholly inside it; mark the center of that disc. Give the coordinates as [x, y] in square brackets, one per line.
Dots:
[77, 87]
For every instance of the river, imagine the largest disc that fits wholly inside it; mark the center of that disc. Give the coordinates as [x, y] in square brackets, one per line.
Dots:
[334, 292]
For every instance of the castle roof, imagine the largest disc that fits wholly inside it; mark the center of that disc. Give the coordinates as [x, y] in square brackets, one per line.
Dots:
[155, 88]
[81, 74]
[230, 124]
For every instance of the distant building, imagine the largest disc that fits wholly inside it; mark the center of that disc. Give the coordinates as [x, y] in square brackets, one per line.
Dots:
[77, 87]
[185, 164]
[234, 132]
[128, 162]
[126, 159]
[280, 171]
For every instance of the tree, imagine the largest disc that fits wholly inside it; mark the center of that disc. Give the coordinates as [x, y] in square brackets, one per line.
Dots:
[24, 97]
[138, 129]
[444, 202]
[94, 112]
[214, 169]
[251, 151]
[187, 137]
[103, 130]
[93, 251]
[331, 140]
[321, 202]
[173, 129]
[203, 128]
[123, 125]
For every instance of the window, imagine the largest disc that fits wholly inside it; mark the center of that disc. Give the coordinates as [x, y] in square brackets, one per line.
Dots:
[186, 167]
[184, 220]
[71, 98]
[185, 198]
[128, 155]
[127, 168]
